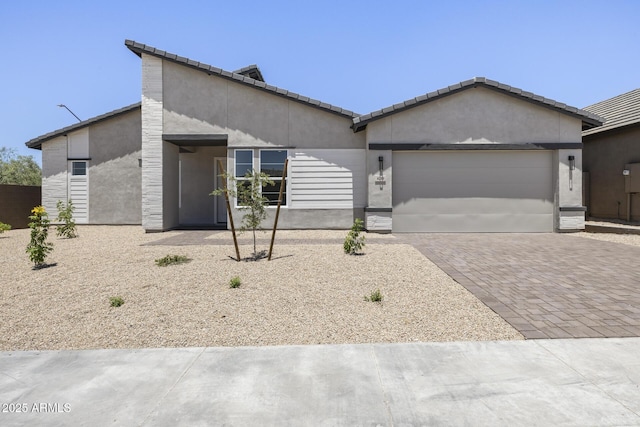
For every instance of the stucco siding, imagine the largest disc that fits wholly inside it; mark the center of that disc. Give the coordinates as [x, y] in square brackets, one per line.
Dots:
[170, 182]
[198, 103]
[115, 175]
[476, 115]
[197, 181]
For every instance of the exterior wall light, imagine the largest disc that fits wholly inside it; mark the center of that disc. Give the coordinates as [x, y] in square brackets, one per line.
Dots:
[381, 163]
[572, 167]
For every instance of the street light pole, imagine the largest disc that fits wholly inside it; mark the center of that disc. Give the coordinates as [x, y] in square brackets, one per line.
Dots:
[62, 105]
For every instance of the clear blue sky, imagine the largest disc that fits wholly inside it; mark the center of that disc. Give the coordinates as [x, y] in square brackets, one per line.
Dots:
[359, 55]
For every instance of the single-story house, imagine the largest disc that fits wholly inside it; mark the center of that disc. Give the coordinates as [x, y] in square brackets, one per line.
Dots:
[478, 156]
[609, 151]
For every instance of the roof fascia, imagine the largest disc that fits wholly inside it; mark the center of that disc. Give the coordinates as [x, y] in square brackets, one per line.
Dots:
[139, 49]
[36, 143]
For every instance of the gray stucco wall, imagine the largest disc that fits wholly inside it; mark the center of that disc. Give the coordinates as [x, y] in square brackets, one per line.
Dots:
[195, 102]
[476, 115]
[605, 155]
[114, 172]
[170, 211]
[197, 181]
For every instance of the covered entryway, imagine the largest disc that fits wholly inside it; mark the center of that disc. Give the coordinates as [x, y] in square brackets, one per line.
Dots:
[473, 191]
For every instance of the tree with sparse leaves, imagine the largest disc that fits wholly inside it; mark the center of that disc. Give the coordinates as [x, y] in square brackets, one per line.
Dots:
[248, 191]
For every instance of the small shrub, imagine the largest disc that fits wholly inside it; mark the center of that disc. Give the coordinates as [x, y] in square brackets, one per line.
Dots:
[235, 282]
[4, 227]
[38, 248]
[116, 301]
[354, 242]
[376, 296]
[65, 215]
[172, 259]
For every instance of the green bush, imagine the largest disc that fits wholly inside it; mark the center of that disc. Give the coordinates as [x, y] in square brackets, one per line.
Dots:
[172, 259]
[235, 282]
[65, 215]
[354, 242]
[4, 227]
[116, 301]
[38, 248]
[376, 296]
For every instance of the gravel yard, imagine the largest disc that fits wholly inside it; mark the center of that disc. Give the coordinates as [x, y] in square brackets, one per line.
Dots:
[310, 293]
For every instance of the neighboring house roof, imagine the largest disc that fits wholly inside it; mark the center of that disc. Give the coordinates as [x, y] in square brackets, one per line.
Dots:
[37, 142]
[251, 71]
[588, 119]
[619, 111]
[139, 49]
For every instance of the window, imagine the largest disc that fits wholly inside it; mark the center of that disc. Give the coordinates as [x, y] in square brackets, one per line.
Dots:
[271, 163]
[78, 168]
[244, 165]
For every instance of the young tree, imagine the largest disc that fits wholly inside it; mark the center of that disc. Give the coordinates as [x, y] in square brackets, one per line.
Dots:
[248, 191]
[18, 170]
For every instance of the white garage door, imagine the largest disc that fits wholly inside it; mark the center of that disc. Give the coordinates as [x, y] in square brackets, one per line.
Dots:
[472, 191]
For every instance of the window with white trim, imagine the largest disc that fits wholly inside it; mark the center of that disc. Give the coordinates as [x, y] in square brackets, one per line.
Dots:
[272, 163]
[78, 168]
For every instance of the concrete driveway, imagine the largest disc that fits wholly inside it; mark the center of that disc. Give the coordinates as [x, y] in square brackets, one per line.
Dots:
[545, 285]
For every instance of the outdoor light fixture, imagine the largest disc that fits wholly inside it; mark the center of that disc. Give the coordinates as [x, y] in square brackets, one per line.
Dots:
[64, 106]
[572, 167]
[381, 163]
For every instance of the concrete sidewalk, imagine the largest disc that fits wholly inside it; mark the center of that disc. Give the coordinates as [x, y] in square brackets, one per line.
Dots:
[586, 382]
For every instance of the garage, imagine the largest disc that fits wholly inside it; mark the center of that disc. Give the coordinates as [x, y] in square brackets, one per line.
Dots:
[473, 191]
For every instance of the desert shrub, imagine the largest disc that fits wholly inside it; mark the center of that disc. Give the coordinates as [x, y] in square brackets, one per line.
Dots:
[4, 227]
[65, 215]
[354, 242]
[38, 247]
[116, 301]
[171, 260]
[375, 296]
[235, 282]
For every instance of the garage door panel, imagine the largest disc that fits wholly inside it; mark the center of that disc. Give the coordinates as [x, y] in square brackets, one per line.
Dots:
[473, 191]
[476, 205]
[468, 223]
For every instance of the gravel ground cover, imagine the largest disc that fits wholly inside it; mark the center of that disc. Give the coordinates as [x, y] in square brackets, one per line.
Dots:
[308, 294]
[627, 239]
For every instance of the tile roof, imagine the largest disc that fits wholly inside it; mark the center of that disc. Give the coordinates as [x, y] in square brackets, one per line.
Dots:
[139, 49]
[251, 71]
[588, 119]
[37, 142]
[619, 111]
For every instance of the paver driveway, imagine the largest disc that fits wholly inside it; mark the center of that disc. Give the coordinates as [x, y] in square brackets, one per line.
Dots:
[545, 285]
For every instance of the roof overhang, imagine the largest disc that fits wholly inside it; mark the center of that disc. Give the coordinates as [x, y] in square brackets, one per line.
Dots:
[36, 143]
[139, 49]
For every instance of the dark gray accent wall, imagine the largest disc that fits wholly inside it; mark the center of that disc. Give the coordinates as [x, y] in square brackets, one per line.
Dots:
[115, 192]
[604, 157]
